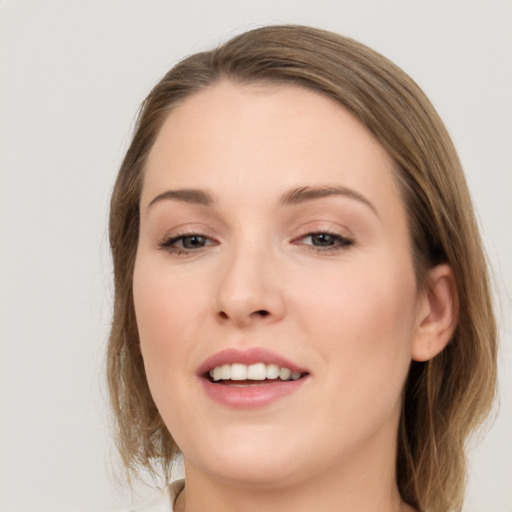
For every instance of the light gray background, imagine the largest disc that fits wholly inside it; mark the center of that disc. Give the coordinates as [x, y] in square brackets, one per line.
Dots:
[72, 75]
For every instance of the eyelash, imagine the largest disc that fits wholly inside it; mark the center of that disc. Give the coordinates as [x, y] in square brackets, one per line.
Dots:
[341, 243]
[168, 244]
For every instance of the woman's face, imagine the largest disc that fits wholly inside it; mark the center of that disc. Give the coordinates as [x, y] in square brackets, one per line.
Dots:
[274, 245]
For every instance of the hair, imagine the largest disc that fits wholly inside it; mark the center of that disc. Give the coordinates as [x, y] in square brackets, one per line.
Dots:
[445, 398]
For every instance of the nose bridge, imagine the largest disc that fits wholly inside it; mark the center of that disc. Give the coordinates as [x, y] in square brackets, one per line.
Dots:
[248, 286]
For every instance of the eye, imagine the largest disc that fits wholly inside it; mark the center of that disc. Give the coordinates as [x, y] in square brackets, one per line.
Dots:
[186, 243]
[324, 241]
[192, 241]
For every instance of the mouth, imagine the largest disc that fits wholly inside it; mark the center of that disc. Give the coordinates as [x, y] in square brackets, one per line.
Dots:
[253, 378]
[238, 374]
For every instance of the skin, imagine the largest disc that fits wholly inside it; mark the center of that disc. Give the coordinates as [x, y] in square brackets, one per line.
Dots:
[351, 314]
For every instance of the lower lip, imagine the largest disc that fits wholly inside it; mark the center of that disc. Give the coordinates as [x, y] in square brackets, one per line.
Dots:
[252, 396]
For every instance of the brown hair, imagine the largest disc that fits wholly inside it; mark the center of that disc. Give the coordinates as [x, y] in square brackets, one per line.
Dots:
[445, 398]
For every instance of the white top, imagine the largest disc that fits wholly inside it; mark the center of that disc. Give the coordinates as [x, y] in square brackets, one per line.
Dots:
[164, 502]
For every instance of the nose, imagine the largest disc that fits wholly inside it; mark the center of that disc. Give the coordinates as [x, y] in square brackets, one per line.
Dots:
[249, 290]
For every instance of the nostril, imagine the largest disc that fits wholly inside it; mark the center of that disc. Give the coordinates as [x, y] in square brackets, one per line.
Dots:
[260, 313]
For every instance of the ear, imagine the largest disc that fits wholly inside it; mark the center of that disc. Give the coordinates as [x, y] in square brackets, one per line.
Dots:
[438, 314]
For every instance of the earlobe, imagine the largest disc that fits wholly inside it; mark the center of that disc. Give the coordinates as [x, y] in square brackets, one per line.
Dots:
[438, 315]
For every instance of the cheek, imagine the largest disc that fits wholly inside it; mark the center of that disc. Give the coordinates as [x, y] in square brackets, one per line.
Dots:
[166, 311]
[363, 324]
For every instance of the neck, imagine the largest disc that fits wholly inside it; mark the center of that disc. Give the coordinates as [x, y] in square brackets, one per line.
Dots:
[190, 501]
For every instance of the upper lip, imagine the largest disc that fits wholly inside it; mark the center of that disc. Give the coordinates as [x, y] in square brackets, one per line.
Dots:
[248, 356]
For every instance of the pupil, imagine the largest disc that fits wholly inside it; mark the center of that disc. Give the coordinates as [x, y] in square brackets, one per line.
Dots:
[322, 239]
[191, 242]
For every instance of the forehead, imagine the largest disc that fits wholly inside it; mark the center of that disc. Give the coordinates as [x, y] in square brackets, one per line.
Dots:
[269, 137]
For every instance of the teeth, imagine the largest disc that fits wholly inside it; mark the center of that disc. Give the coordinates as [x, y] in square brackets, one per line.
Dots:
[258, 371]
[238, 372]
[285, 373]
[217, 373]
[226, 371]
[272, 371]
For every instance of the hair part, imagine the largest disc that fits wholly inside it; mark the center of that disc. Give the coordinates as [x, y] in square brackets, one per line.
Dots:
[446, 398]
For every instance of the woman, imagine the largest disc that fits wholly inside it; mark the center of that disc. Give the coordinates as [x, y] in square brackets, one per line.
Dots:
[301, 298]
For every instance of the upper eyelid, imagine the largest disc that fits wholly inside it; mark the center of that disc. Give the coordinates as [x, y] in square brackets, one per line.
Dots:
[315, 228]
[325, 232]
[339, 236]
[186, 230]
[304, 232]
[174, 238]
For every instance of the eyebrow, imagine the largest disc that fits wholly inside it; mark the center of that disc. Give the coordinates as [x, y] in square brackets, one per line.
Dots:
[292, 197]
[186, 195]
[303, 194]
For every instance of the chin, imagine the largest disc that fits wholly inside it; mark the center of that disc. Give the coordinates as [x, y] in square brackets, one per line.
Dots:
[250, 461]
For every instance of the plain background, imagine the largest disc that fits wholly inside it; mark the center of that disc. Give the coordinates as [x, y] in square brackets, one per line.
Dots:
[72, 75]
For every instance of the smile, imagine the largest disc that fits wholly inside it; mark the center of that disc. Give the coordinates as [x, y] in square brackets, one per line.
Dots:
[250, 378]
[254, 372]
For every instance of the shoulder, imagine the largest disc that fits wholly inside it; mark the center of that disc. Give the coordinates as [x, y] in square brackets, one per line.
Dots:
[165, 501]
